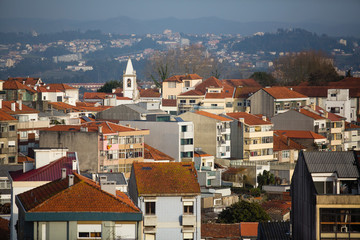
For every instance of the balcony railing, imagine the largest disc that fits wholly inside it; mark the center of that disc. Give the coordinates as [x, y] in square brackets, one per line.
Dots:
[150, 220]
[208, 107]
[188, 220]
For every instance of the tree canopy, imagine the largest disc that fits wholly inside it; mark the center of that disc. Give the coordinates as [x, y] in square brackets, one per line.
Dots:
[243, 211]
[267, 178]
[310, 66]
[110, 85]
[264, 78]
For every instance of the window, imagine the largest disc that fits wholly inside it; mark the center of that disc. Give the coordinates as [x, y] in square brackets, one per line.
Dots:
[172, 97]
[23, 134]
[129, 83]
[150, 208]
[86, 231]
[335, 110]
[214, 104]
[189, 141]
[187, 83]
[183, 101]
[171, 84]
[192, 101]
[239, 104]
[333, 95]
[229, 104]
[186, 154]
[184, 128]
[59, 99]
[12, 128]
[189, 208]
[285, 154]
[11, 159]
[267, 139]
[11, 143]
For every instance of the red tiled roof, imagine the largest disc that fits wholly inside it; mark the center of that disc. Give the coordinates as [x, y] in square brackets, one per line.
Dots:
[15, 85]
[313, 91]
[300, 134]
[6, 107]
[4, 228]
[202, 155]
[347, 82]
[215, 95]
[59, 86]
[95, 95]
[28, 81]
[213, 116]
[180, 78]
[277, 206]
[83, 196]
[44, 89]
[153, 153]
[229, 231]
[192, 93]
[169, 102]
[282, 142]
[249, 119]
[311, 114]
[85, 104]
[332, 116]
[166, 178]
[283, 93]
[63, 106]
[351, 126]
[118, 91]
[210, 82]
[245, 92]
[150, 93]
[22, 159]
[6, 117]
[48, 172]
[107, 127]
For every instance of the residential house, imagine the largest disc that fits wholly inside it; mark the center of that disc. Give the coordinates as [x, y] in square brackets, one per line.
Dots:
[308, 139]
[15, 90]
[169, 106]
[101, 146]
[8, 138]
[270, 101]
[208, 176]
[211, 132]
[351, 137]
[173, 86]
[278, 210]
[71, 94]
[106, 99]
[286, 149]
[325, 196]
[339, 102]
[2, 92]
[178, 142]
[5, 185]
[168, 194]
[251, 137]
[47, 167]
[75, 207]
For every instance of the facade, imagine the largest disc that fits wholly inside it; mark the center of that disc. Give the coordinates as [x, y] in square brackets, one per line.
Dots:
[251, 137]
[351, 137]
[177, 84]
[47, 167]
[8, 138]
[325, 196]
[178, 142]
[271, 101]
[339, 102]
[208, 176]
[74, 207]
[211, 132]
[168, 194]
[101, 146]
[286, 150]
[309, 140]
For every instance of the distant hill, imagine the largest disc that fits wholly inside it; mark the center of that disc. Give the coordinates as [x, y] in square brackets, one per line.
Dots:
[126, 25]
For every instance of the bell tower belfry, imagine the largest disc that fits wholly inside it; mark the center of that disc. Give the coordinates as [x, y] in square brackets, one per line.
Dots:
[129, 81]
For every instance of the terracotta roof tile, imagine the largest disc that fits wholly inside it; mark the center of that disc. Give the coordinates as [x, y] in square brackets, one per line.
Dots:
[220, 95]
[169, 102]
[332, 116]
[192, 93]
[351, 126]
[174, 178]
[245, 92]
[15, 85]
[347, 82]
[277, 206]
[83, 196]
[242, 82]
[150, 93]
[95, 95]
[180, 78]
[6, 107]
[313, 115]
[282, 142]
[6, 117]
[23, 158]
[27, 81]
[153, 153]
[283, 93]
[59, 86]
[300, 134]
[213, 116]
[249, 119]
[229, 231]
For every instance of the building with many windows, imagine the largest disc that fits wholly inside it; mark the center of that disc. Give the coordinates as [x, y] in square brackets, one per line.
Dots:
[8, 138]
[169, 196]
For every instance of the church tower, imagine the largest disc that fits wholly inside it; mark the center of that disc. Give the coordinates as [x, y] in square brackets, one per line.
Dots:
[129, 82]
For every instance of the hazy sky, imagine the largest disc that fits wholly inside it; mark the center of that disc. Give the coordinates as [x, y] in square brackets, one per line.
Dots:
[334, 11]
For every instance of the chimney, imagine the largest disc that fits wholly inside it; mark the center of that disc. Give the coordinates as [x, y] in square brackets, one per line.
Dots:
[288, 141]
[74, 165]
[20, 104]
[247, 109]
[263, 118]
[83, 129]
[93, 177]
[63, 173]
[108, 186]
[1, 103]
[13, 107]
[100, 129]
[242, 120]
[27, 166]
[313, 106]
[71, 180]
[326, 114]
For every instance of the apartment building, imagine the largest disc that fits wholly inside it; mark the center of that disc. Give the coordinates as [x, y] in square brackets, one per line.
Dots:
[173, 86]
[339, 102]
[211, 132]
[325, 196]
[101, 146]
[8, 138]
[270, 101]
[251, 137]
[178, 142]
[351, 137]
[169, 196]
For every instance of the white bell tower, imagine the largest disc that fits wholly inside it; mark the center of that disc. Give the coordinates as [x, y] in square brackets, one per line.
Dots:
[129, 81]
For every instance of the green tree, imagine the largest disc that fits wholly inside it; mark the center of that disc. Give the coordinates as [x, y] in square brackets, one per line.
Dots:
[312, 66]
[267, 178]
[109, 86]
[264, 78]
[243, 211]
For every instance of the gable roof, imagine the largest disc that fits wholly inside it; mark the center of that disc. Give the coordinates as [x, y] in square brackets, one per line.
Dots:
[169, 102]
[229, 231]
[153, 153]
[6, 117]
[300, 134]
[311, 114]
[59, 86]
[180, 78]
[150, 93]
[27, 80]
[283, 93]
[175, 178]
[242, 82]
[83, 196]
[16, 85]
[245, 92]
[213, 116]
[282, 142]
[48, 172]
[343, 163]
[95, 95]
[249, 119]
[6, 107]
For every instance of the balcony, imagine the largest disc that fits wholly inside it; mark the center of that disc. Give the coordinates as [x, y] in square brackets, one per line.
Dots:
[8, 134]
[150, 220]
[207, 107]
[34, 124]
[188, 220]
[346, 200]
